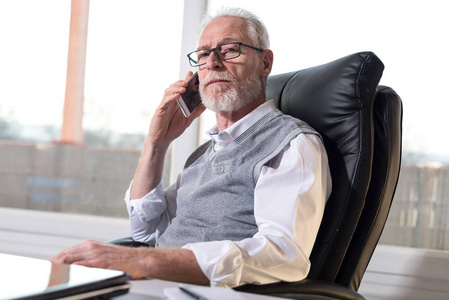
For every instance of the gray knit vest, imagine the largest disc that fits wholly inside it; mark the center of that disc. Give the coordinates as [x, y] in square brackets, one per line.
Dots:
[216, 194]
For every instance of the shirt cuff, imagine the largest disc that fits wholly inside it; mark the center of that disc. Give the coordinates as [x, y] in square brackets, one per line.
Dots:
[148, 203]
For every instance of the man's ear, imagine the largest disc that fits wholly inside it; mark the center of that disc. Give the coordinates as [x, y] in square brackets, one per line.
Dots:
[267, 60]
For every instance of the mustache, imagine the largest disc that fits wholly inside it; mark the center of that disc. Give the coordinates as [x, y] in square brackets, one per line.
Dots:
[214, 76]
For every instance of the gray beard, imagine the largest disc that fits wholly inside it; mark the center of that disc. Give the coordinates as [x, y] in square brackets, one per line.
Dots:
[237, 96]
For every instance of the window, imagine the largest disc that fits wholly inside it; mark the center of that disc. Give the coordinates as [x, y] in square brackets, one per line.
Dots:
[125, 80]
[408, 37]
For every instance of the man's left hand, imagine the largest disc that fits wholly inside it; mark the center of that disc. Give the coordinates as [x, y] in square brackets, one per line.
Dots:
[102, 255]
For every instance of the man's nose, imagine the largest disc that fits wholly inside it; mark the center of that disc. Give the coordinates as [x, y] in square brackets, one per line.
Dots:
[213, 61]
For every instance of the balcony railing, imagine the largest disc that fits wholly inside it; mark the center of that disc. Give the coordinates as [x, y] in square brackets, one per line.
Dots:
[93, 181]
[419, 215]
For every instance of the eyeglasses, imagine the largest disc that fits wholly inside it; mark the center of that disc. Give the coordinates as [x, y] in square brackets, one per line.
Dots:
[223, 52]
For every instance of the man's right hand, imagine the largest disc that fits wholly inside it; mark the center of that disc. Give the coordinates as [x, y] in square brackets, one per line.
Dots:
[167, 124]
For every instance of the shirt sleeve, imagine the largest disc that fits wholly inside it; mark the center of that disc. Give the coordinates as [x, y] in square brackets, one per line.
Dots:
[289, 201]
[150, 215]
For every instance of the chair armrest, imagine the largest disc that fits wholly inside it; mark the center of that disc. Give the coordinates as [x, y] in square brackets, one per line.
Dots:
[129, 242]
[310, 289]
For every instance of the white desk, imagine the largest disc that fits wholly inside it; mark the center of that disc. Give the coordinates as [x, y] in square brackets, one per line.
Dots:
[152, 289]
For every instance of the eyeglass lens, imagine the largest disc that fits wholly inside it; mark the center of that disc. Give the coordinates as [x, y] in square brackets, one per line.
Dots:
[224, 52]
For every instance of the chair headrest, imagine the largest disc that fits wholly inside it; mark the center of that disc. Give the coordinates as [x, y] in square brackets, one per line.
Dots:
[329, 96]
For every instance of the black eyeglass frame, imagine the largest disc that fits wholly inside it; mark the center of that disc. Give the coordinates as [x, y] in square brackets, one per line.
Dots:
[194, 63]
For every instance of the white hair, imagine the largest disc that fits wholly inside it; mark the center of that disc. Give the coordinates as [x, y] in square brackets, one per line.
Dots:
[255, 28]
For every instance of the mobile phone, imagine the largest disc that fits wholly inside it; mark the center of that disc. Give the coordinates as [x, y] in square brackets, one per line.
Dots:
[190, 99]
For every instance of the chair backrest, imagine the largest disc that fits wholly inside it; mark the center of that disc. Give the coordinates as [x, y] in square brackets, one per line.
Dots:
[337, 100]
[384, 179]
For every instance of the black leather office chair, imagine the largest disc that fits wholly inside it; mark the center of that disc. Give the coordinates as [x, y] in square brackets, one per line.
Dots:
[361, 125]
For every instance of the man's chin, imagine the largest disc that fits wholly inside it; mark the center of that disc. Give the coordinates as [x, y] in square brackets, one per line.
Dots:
[211, 105]
[211, 100]
[220, 101]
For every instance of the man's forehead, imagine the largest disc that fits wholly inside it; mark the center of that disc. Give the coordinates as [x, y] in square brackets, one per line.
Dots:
[223, 30]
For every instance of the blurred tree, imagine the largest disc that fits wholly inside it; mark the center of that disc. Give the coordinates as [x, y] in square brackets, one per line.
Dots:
[8, 130]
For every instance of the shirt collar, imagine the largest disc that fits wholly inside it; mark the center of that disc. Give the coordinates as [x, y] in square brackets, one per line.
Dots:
[227, 136]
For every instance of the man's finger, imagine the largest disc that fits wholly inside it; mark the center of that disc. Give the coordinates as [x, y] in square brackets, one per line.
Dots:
[189, 74]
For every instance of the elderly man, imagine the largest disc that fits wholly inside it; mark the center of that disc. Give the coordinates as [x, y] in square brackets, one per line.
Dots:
[248, 208]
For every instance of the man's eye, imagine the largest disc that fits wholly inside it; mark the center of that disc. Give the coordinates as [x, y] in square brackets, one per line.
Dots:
[229, 48]
[203, 55]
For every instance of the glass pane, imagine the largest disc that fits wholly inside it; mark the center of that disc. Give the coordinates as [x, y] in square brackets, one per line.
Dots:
[130, 62]
[33, 64]
[124, 81]
[409, 38]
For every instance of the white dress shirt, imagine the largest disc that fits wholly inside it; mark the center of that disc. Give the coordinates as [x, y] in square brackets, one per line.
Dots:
[289, 201]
